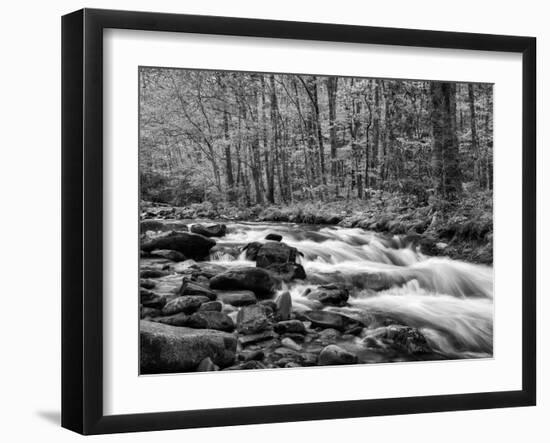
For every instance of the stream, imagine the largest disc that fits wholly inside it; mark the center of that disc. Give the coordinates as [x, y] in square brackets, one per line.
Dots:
[449, 301]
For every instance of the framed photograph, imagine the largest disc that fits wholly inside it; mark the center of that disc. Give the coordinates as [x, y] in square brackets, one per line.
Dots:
[270, 221]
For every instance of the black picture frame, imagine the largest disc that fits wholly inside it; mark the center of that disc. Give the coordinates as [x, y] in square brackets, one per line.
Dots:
[82, 218]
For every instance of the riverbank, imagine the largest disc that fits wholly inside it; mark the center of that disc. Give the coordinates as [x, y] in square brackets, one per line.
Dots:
[463, 231]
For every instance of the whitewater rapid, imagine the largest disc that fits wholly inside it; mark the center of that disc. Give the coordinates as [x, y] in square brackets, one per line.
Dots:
[449, 301]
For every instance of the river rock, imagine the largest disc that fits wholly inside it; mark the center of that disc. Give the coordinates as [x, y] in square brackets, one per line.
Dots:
[256, 280]
[335, 355]
[179, 319]
[284, 306]
[211, 320]
[162, 225]
[251, 355]
[168, 254]
[213, 230]
[326, 319]
[193, 246]
[211, 306]
[146, 312]
[152, 273]
[252, 364]
[187, 304]
[237, 298]
[287, 271]
[190, 288]
[329, 335]
[149, 299]
[252, 319]
[329, 295]
[250, 339]
[274, 237]
[147, 284]
[207, 365]
[287, 342]
[165, 349]
[272, 253]
[207, 270]
[251, 250]
[289, 327]
[402, 338]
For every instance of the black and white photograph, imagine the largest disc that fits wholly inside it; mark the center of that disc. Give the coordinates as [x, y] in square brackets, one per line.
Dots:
[298, 220]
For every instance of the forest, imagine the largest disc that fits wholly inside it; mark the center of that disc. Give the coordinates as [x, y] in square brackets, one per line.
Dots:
[292, 220]
[278, 146]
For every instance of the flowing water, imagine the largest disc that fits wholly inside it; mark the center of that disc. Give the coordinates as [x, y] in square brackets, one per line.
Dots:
[449, 301]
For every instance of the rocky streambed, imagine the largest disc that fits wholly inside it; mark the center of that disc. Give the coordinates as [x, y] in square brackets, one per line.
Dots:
[258, 295]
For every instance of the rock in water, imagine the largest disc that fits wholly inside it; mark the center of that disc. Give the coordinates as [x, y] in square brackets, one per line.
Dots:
[152, 273]
[147, 284]
[401, 338]
[287, 271]
[166, 349]
[190, 288]
[284, 306]
[326, 319]
[213, 230]
[193, 246]
[237, 298]
[168, 254]
[275, 253]
[335, 355]
[187, 304]
[252, 319]
[274, 237]
[330, 295]
[252, 250]
[256, 280]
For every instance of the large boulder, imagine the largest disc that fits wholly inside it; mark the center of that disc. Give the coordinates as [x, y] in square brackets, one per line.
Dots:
[192, 246]
[335, 355]
[252, 279]
[252, 319]
[213, 230]
[187, 304]
[329, 295]
[168, 349]
[273, 252]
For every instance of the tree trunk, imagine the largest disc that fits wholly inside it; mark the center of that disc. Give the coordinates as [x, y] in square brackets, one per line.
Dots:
[332, 91]
[475, 147]
[445, 160]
